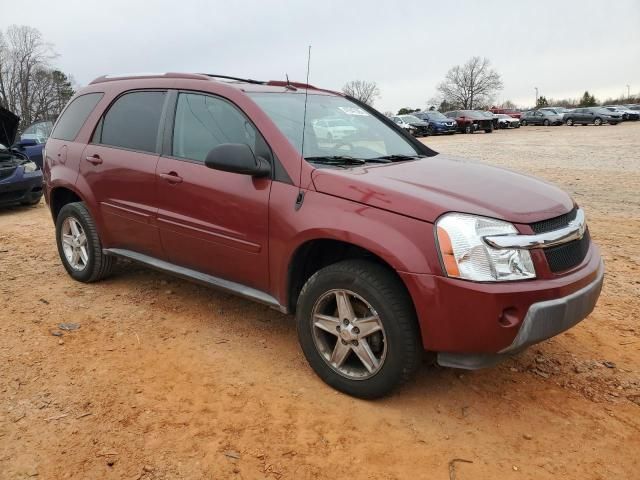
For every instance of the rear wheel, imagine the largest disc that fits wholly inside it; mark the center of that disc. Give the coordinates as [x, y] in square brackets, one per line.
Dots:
[597, 121]
[358, 329]
[488, 130]
[79, 246]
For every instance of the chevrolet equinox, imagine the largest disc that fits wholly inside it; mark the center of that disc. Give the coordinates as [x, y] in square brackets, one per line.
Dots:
[381, 247]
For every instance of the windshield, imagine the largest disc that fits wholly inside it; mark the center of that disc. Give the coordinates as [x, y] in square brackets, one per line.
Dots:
[436, 116]
[410, 118]
[367, 139]
[38, 131]
[473, 114]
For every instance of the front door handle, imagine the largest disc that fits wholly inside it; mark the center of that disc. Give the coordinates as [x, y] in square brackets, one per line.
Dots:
[94, 159]
[171, 177]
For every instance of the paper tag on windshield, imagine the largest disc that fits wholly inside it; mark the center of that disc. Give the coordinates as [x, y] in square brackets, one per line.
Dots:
[354, 111]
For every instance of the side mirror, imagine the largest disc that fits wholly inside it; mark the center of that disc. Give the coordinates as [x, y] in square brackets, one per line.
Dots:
[237, 158]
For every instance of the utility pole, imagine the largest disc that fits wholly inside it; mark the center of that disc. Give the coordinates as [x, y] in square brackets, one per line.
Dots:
[628, 92]
[536, 96]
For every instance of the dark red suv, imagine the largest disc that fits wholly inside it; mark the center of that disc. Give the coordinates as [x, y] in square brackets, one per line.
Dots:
[381, 247]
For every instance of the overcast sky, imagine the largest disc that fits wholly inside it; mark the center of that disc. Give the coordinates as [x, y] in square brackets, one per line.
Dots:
[563, 47]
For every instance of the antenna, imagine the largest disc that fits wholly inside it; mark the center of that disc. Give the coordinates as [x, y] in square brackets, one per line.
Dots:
[300, 197]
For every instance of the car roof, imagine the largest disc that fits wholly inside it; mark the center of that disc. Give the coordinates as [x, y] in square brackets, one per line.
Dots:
[244, 84]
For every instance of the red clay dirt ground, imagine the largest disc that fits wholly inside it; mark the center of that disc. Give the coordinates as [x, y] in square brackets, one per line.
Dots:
[165, 379]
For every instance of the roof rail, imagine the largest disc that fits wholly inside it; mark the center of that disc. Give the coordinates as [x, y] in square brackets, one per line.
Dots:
[284, 83]
[227, 77]
[128, 76]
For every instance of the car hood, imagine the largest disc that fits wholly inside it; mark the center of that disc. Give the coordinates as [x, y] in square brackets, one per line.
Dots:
[427, 188]
[421, 123]
[8, 127]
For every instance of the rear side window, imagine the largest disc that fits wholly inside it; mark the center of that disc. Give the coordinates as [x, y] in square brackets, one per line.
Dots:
[75, 115]
[203, 122]
[132, 122]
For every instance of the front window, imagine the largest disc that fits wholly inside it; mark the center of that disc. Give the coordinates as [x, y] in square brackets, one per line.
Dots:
[410, 119]
[350, 132]
[474, 114]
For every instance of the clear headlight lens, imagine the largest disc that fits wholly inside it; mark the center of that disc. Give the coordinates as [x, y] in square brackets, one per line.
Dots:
[29, 167]
[465, 255]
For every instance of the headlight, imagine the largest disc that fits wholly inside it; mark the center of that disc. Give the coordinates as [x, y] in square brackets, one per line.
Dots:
[465, 255]
[29, 167]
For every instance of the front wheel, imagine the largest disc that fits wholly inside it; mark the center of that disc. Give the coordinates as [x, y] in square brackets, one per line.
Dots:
[79, 246]
[468, 128]
[358, 329]
[546, 123]
[597, 121]
[523, 123]
[569, 122]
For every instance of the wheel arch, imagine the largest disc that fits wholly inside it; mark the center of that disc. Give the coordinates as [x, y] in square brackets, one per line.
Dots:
[316, 253]
[60, 196]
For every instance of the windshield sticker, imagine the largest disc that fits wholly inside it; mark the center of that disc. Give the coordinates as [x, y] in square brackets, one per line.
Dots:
[354, 111]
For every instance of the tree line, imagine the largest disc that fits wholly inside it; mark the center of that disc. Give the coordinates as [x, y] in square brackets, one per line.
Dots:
[30, 85]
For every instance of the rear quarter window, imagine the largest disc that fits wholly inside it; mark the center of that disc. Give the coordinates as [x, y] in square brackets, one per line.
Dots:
[132, 121]
[75, 115]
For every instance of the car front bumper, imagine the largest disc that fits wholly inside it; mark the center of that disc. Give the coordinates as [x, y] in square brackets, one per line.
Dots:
[543, 320]
[21, 187]
[476, 324]
[444, 128]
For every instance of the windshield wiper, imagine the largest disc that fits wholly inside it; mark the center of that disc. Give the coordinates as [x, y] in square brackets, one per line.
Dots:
[396, 158]
[336, 160]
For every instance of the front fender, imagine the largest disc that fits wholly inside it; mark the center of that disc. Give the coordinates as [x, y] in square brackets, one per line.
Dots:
[406, 244]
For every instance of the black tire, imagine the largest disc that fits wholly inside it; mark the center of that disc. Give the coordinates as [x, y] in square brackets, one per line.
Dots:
[488, 130]
[34, 200]
[387, 295]
[468, 128]
[523, 123]
[98, 265]
[569, 122]
[430, 130]
[597, 121]
[546, 123]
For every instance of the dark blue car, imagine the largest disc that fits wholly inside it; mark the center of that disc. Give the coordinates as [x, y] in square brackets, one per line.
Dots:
[438, 123]
[32, 141]
[20, 177]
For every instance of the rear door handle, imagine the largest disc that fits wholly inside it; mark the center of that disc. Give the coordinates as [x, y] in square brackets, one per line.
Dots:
[171, 177]
[94, 159]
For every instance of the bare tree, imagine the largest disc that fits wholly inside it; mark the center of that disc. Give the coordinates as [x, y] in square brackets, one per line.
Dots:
[29, 87]
[362, 90]
[471, 84]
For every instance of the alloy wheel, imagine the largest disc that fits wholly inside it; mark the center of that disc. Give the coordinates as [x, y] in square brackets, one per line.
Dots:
[74, 244]
[349, 335]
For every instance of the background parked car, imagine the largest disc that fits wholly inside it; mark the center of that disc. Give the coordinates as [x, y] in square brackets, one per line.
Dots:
[506, 121]
[592, 115]
[20, 178]
[437, 123]
[627, 113]
[540, 117]
[492, 116]
[507, 111]
[333, 129]
[32, 141]
[413, 124]
[557, 110]
[471, 120]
